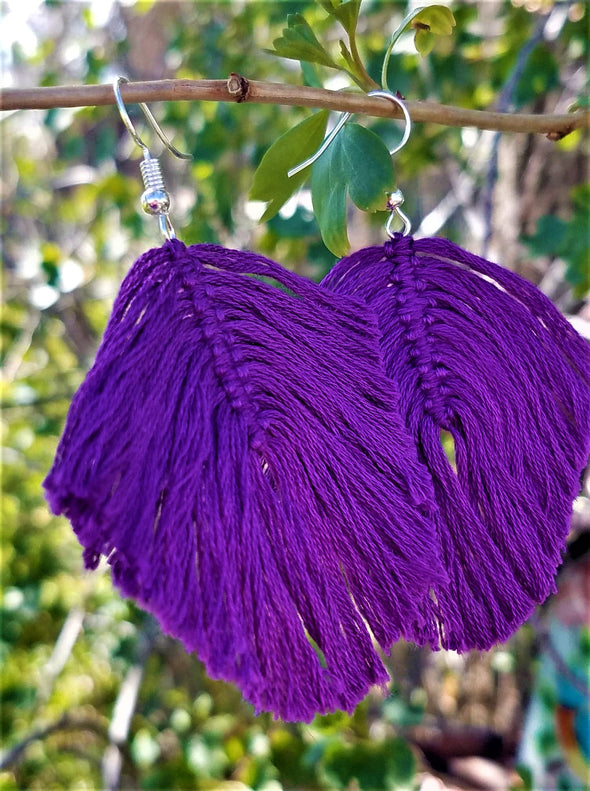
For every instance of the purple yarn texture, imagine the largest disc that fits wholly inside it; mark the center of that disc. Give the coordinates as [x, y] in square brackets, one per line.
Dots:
[237, 453]
[480, 353]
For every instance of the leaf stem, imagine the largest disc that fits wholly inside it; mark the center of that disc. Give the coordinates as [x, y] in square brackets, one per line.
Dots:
[392, 42]
[368, 83]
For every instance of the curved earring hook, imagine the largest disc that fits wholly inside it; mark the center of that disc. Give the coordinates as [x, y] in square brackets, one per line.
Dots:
[155, 199]
[394, 199]
[152, 121]
[330, 138]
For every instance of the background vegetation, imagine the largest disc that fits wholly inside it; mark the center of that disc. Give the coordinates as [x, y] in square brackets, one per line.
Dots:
[92, 694]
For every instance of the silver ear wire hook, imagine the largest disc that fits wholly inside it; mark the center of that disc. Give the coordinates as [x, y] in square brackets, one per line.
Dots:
[150, 116]
[395, 199]
[155, 199]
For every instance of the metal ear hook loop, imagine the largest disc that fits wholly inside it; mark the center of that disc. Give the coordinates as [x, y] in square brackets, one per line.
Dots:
[155, 199]
[395, 199]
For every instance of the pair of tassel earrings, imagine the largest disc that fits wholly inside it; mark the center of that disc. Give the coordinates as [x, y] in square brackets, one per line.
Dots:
[260, 458]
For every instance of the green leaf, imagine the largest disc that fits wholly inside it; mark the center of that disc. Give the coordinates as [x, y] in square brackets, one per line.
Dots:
[370, 167]
[581, 103]
[424, 42]
[271, 182]
[539, 76]
[549, 236]
[357, 162]
[402, 763]
[344, 51]
[328, 193]
[51, 255]
[432, 21]
[345, 11]
[310, 76]
[568, 241]
[577, 255]
[386, 765]
[581, 198]
[438, 19]
[526, 776]
[299, 42]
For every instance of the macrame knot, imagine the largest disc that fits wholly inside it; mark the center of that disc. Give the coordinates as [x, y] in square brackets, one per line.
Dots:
[414, 306]
[399, 246]
[175, 248]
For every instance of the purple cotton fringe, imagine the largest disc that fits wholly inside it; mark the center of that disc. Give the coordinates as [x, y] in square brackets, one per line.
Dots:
[480, 353]
[237, 454]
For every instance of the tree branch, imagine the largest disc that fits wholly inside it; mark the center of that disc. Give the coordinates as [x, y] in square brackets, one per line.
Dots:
[239, 89]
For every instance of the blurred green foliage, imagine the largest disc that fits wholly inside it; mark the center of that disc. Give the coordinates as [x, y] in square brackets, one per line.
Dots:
[71, 227]
[567, 239]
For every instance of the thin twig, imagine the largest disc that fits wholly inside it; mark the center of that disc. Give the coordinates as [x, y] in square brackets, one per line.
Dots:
[61, 651]
[66, 722]
[21, 346]
[112, 760]
[239, 89]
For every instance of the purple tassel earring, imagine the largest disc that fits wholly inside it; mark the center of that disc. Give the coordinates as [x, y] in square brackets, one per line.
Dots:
[483, 357]
[237, 454]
